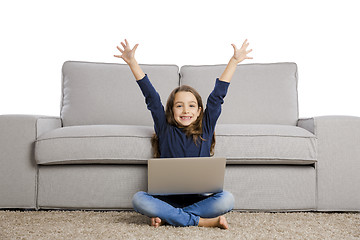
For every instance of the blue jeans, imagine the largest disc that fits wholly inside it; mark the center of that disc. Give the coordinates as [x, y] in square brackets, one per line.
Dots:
[183, 210]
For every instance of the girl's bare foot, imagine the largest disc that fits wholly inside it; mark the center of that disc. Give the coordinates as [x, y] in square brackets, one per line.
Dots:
[156, 222]
[219, 222]
[223, 223]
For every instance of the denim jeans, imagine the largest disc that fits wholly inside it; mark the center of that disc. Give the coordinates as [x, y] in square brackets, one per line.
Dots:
[183, 210]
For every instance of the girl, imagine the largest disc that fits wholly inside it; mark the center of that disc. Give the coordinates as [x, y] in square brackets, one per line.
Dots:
[184, 130]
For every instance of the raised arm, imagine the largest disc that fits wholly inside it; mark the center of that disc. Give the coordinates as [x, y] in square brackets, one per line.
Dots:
[128, 55]
[152, 97]
[239, 56]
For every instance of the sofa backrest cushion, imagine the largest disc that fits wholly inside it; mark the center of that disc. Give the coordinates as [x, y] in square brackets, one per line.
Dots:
[107, 93]
[258, 93]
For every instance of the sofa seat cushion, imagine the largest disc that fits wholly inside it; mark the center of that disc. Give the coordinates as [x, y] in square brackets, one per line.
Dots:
[110, 144]
[265, 144]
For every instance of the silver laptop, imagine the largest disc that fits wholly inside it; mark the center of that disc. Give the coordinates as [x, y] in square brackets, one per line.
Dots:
[168, 176]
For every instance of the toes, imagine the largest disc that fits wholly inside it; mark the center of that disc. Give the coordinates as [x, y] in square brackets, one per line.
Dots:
[153, 222]
[156, 222]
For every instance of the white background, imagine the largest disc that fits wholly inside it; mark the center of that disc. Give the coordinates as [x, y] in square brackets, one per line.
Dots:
[322, 37]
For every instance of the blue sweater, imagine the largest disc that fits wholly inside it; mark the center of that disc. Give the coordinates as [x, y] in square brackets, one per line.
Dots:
[173, 141]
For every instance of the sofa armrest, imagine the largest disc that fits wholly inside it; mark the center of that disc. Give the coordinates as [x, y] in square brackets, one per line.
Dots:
[18, 171]
[338, 161]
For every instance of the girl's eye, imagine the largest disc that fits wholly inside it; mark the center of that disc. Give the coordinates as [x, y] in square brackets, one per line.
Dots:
[178, 106]
[192, 105]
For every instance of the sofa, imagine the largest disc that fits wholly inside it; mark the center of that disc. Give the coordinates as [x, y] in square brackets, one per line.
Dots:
[94, 155]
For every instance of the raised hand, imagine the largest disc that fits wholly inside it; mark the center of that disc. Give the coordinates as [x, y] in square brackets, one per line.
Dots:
[241, 54]
[127, 54]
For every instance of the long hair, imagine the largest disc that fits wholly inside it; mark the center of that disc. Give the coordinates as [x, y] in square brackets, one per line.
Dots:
[194, 129]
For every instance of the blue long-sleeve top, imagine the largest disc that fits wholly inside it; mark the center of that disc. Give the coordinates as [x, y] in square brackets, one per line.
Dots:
[173, 141]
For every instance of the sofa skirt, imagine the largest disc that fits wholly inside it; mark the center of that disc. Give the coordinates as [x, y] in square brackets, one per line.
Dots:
[272, 187]
[90, 186]
[255, 187]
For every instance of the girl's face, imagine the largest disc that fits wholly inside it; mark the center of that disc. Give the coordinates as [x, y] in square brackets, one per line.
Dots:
[185, 109]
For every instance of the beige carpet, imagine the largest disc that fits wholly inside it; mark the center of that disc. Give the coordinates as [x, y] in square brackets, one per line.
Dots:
[130, 225]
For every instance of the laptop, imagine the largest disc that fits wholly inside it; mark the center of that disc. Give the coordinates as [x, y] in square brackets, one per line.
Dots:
[200, 175]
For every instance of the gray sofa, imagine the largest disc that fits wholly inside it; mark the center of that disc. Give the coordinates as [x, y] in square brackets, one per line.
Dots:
[94, 155]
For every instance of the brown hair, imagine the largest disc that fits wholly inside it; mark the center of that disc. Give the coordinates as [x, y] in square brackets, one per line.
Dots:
[194, 129]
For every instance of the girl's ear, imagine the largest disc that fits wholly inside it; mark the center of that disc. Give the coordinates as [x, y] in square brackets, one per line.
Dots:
[199, 111]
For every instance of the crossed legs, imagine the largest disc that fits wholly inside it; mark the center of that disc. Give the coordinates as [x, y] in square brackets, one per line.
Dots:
[206, 212]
